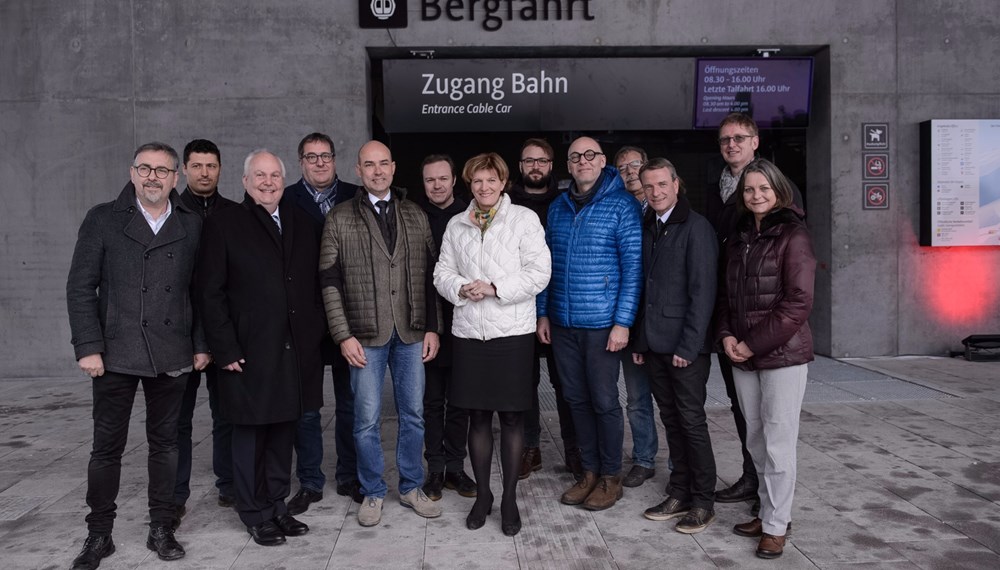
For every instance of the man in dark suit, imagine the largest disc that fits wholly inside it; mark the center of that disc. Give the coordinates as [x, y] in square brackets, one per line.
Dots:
[263, 317]
[316, 193]
[202, 165]
[131, 320]
[679, 255]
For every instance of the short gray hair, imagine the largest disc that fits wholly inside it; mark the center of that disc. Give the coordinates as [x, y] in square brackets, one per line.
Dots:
[254, 153]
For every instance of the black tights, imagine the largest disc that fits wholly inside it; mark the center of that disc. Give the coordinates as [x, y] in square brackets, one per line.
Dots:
[481, 455]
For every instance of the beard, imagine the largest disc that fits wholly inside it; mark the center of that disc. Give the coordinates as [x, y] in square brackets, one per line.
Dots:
[539, 184]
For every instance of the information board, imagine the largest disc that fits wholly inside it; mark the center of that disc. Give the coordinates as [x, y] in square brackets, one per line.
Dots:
[775, 91]
[960, 182]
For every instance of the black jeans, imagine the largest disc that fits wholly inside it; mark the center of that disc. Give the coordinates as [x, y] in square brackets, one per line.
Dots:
[446, 427]
[222, 436]
[114, 395]
[262, 470]
[680, 393]
[726, 367]
[532, 424]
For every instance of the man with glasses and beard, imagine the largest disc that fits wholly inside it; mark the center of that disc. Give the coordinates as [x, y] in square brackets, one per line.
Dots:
[131, 322]
[536, 190]
[316, 193]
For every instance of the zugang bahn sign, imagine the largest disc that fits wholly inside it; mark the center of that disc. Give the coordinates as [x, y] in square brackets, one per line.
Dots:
[468, 95]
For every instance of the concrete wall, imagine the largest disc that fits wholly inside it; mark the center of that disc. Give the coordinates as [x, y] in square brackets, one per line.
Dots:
[82, 83]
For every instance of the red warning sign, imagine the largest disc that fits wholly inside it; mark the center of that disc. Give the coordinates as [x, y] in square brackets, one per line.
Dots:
[876, 196]
[876, 166]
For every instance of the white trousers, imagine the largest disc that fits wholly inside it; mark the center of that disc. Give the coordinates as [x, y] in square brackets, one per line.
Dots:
[771, 401]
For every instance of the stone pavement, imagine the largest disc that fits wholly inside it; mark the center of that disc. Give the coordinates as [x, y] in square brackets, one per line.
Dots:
[899, 467]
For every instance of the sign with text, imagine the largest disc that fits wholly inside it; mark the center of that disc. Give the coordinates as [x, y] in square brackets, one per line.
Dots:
[876, 136]
[469, 95]
[775, 91]
[960, 182]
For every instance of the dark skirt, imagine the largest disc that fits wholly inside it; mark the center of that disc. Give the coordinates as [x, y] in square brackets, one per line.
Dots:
[492, 375]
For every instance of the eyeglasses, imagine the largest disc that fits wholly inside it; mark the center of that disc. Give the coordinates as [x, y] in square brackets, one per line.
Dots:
[590, 155]
[161, 171]
[635, 165]
[312, 157]
[529, 162]
[738, 139]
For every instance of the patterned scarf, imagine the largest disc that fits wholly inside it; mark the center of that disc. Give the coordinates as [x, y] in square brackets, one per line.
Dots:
[482, 218]
[727, 184]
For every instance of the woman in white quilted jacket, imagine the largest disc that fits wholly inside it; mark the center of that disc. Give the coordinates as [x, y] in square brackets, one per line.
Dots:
[493, 262]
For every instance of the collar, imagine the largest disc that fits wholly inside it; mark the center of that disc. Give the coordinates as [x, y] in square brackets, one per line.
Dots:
[154, 223]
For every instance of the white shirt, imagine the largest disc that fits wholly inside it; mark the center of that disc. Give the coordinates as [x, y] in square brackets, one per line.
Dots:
[663, 218]
[155, 224]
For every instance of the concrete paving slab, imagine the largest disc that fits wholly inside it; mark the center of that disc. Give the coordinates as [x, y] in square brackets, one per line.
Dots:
[950, 554]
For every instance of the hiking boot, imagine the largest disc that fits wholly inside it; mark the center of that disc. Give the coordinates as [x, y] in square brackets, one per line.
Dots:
[580, 490]
[605, 494]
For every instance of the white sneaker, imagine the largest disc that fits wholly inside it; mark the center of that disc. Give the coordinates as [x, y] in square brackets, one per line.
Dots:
[421, 503]
[370, 513]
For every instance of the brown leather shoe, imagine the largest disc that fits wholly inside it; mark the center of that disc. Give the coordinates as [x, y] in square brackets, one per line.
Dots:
[579, 492]
[755, 528]
[605, 494]
[531, 460]
[770, 546]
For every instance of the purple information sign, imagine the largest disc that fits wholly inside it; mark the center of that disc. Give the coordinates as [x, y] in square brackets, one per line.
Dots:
[775, 91]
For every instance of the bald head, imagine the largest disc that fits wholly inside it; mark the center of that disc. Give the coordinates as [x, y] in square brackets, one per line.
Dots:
[375, 168]
[585, 162]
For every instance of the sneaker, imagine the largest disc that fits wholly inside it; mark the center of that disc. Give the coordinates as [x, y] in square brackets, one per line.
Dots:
[669, 509]
[459, 481]
[370, 513]
[419, 502]
[695, 521]
[433, 485]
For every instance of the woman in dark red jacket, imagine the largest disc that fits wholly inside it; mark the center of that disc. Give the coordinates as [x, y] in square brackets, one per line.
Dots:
[762, 322]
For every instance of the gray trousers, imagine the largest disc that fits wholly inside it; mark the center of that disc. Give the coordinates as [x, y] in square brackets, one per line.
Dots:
[771, 401]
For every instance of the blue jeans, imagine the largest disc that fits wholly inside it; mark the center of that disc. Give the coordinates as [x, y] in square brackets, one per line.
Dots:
[407, 370]
[309, 437]
[640, 411]
[589, 376]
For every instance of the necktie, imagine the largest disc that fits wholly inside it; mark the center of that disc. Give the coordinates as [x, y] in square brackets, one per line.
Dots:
[383, 222]
[659, 227]
[277, 222]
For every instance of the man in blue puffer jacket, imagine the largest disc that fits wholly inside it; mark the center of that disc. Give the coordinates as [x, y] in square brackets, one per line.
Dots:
[594, 235]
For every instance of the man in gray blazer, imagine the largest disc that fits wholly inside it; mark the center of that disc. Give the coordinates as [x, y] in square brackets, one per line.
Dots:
[131, 320]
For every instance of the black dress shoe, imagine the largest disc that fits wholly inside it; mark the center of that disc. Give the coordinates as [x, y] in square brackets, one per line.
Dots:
[350, 489]
[161, 541]
[742, 490]
[266, 534]
[227, 501]
[95, 548]
[301, 501]
[460, 482]
[638, 475]
[289, 526]
[434, 485]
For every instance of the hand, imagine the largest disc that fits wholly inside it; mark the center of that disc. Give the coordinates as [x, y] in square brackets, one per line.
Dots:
[544, 331]
[353, 353]
[431, 345]
[729, 346]
[638, 359]
[680, 362]
[201, 360]
[93, 365]
[235, 366]
[618, 338]
[743, 350]
[477, 290]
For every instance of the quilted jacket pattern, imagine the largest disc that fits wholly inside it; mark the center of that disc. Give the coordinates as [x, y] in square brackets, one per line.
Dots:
[511, 254]
[596, 258]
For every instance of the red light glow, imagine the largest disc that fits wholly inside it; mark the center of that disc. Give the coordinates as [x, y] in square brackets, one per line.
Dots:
[961, 284]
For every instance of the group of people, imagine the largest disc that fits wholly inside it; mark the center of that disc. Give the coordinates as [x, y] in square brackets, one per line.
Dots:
[461, 302]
